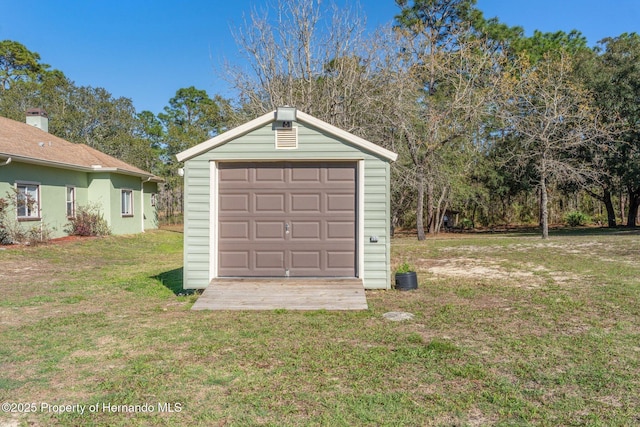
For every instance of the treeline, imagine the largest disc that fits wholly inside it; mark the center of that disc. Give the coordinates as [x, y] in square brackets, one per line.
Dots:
[492, 127]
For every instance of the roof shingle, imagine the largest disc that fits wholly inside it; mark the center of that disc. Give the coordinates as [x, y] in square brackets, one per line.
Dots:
[27, 142]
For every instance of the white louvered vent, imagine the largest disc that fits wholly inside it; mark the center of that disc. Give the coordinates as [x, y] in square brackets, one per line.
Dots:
[286, 138]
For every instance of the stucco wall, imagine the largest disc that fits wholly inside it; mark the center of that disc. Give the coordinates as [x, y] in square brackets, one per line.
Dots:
[96, 189]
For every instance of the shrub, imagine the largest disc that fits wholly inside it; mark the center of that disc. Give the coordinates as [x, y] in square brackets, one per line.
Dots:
[576, 218]
[11, 231]
[88, 222]
[5, 238]
[467, 224]
[405, 267]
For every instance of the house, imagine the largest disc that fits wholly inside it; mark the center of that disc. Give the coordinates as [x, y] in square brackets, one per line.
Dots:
[287, 195]
[57, 177]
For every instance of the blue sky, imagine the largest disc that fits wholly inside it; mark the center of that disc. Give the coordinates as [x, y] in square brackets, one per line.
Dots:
[147, 49]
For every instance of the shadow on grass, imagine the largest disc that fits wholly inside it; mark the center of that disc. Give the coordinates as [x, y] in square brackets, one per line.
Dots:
[172, 280]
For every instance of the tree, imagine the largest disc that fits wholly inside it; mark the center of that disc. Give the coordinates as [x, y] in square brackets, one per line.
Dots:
[615, 79]
[451, 68]
[316, 57]
[191, 118]
[548, 120]
[18, 63]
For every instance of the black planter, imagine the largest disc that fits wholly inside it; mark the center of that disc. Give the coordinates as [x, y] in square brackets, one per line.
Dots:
[406, 281]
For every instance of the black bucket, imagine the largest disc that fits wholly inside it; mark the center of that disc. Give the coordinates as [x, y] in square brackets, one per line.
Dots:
[406, 281]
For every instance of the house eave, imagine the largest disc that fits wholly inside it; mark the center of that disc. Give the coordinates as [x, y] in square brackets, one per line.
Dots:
[69, 166]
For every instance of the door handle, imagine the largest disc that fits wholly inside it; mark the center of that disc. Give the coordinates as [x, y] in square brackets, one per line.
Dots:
[286, 228]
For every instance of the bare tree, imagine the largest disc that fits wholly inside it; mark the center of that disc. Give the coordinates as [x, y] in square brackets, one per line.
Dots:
[451, 68]
[318, 58]
[549, 121]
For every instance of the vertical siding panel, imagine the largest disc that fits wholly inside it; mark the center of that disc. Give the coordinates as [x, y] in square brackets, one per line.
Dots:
[196, 223]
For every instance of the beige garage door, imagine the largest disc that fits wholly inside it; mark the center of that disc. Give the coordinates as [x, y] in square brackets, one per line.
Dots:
[287, 219]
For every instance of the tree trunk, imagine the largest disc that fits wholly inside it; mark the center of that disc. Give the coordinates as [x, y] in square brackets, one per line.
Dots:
[430, 208]
[439, 212]
[634, 203]
[623, 202]
[544, 209]
[420, 207]
[611, 213]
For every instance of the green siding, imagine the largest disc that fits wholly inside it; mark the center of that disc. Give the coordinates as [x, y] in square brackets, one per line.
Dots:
[100, 189]
[150, 211]
[259, 145]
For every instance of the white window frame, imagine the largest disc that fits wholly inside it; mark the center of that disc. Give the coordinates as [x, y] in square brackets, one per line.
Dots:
[28, 214]
[70, 206]
[126, 202]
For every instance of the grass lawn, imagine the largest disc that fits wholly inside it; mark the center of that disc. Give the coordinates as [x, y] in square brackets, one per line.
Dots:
[508, 330]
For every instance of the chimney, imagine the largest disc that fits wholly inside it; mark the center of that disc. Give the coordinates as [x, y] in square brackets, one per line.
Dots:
[38, 117]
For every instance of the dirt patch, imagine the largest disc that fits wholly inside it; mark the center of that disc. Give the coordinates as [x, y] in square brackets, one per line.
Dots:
[478, 269]
[527, 276]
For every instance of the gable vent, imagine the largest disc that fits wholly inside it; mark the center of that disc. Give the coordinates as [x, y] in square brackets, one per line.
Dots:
[286, 138]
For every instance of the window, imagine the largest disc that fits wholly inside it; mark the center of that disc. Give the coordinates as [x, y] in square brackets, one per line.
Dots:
[28, 201]
[127, 202]
[71, 202]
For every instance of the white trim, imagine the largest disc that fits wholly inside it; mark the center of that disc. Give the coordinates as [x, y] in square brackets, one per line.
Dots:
[66, 195]
[131, 203]
[269, 118]
[341, 134]
[360, 218]
[38, 186]
[142, 206]
[213, 220]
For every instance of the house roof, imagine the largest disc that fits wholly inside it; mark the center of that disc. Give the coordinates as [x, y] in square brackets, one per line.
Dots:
[27, 144]
[271, 117]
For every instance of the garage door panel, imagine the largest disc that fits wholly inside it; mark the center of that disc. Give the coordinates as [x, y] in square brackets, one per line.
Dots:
[341, 175]
[233, 175]
[305, 174]
[267, 230]
[234, 230]
[296, 219]
[301, 259]
[340, 259]
[235, 259]
[271, 203]
[234, 203]
[340, 230]
[305, 203]
[341, 203]
[269, 260]
[269, 174]
[308, 230]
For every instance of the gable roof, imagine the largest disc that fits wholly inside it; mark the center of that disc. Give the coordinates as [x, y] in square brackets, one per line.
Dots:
[25, 143]
[271, 117]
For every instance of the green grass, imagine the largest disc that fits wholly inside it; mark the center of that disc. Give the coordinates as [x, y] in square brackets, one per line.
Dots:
[508, 330]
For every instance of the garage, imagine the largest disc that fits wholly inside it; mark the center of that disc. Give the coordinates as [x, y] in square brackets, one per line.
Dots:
[287, 197]
[287, 219]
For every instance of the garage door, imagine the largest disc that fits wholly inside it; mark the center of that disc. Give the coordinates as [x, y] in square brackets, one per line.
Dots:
[287, 219]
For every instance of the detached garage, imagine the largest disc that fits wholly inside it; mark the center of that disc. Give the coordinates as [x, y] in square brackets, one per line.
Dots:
[287, 196]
